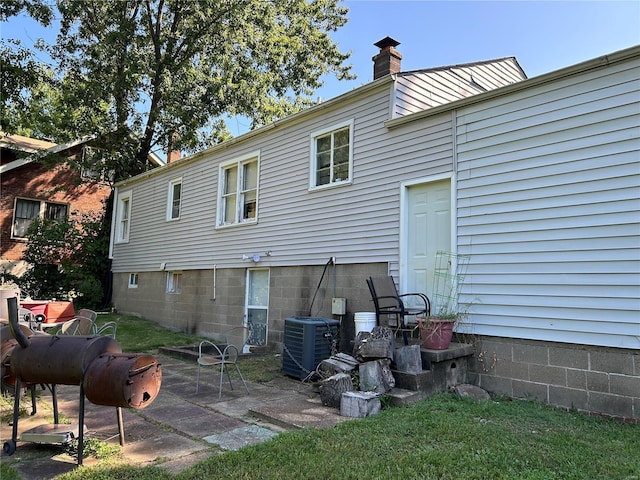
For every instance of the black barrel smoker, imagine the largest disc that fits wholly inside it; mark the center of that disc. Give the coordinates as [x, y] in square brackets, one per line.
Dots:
[105, 375]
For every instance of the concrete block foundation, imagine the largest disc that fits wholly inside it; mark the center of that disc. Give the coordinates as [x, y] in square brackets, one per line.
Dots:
[594, 380]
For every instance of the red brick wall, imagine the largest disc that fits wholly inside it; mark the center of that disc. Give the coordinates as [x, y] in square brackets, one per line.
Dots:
[59, 184]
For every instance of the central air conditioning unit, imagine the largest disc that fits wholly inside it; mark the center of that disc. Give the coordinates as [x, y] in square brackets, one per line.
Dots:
[307, 341]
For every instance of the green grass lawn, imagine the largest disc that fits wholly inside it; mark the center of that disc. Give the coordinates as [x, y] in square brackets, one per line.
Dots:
[443, 437]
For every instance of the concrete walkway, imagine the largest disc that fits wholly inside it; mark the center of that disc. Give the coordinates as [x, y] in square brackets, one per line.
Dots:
[180, 427]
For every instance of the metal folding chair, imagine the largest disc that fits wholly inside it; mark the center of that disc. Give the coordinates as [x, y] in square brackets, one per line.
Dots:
[223, 357]
[387, 301]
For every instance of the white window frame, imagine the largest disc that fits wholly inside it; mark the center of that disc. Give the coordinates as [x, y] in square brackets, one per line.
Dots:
[42, 213]
[171, 199]
[133, 280]
[240, 194]
[313, 160]
[123, 217]
[174, 282]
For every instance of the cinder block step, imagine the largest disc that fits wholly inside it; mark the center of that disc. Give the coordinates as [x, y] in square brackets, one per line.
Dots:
[422, 380]
[399, 397]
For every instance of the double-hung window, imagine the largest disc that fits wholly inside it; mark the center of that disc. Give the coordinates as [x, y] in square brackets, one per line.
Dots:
[123, 217]
[332, 156]
[174, 198]
[26, 211]
[238, 191]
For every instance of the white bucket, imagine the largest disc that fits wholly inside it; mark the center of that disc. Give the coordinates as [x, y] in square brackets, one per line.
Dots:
[365, 321]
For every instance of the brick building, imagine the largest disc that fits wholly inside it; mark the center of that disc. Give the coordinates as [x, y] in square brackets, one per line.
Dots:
[29, 189]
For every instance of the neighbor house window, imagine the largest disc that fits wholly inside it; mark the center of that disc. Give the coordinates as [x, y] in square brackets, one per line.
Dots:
[123, 218]
[93, 166]
[173, 202]
[133, 280]
[332, 156]
[238, 197]
[26, 211]
[174, 282]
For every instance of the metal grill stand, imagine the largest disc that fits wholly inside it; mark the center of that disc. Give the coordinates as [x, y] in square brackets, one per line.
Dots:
[96, 364]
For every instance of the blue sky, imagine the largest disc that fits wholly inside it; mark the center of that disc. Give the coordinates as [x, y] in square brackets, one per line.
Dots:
[543, 35]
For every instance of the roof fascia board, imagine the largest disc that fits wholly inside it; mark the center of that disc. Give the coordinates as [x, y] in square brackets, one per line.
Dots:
[15, 164]
[599, 62]
[61, 147]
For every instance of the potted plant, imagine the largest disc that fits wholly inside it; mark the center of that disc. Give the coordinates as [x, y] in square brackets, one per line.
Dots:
[436, 331]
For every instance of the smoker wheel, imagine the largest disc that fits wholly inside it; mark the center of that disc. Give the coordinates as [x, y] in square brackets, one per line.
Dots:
[9, 447]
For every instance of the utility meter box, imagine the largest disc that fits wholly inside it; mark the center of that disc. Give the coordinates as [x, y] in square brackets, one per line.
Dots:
[339, 306]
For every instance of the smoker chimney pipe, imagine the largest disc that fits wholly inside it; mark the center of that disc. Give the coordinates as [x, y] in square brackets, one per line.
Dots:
[14, 328]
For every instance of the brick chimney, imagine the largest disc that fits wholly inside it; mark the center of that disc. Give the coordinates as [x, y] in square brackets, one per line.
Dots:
[388, 60]
[173, 154]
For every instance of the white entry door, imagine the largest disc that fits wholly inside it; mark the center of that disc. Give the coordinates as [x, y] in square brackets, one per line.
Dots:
[428, 230]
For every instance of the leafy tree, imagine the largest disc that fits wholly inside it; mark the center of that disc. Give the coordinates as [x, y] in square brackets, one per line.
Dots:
[146, 75]
[20, 69]
[67, 259]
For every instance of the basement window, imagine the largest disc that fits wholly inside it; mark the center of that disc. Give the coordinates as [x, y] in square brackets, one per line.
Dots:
[174, 282]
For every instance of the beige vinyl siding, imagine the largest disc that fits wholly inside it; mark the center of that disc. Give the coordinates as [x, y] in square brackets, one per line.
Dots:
[549, 209]
[420, 90]
[356, 223]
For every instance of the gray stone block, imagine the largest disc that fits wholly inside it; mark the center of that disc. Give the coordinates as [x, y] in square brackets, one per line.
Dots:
[359, 404]
[515, 370]
[530, 391]
[568, 398]
[535, 354]
[569, 357]
[399, 397]
[422, 381]
[547, 374]
[471, 391]
[407, 359]
[598, 382]
[497, 385]
[625, 385]
[455, 350]
[611, 362]
[331, 366]
[614, 405]
[373, 345]
[376, 376]
[449, 373]
[332, 388]
[576, 379]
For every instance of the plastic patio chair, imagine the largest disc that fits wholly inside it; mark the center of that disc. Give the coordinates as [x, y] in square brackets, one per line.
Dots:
[107, 329]
[222, 357]
[78, 326]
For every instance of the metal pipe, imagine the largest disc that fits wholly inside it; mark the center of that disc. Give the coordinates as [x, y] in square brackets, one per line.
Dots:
[12, 310]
